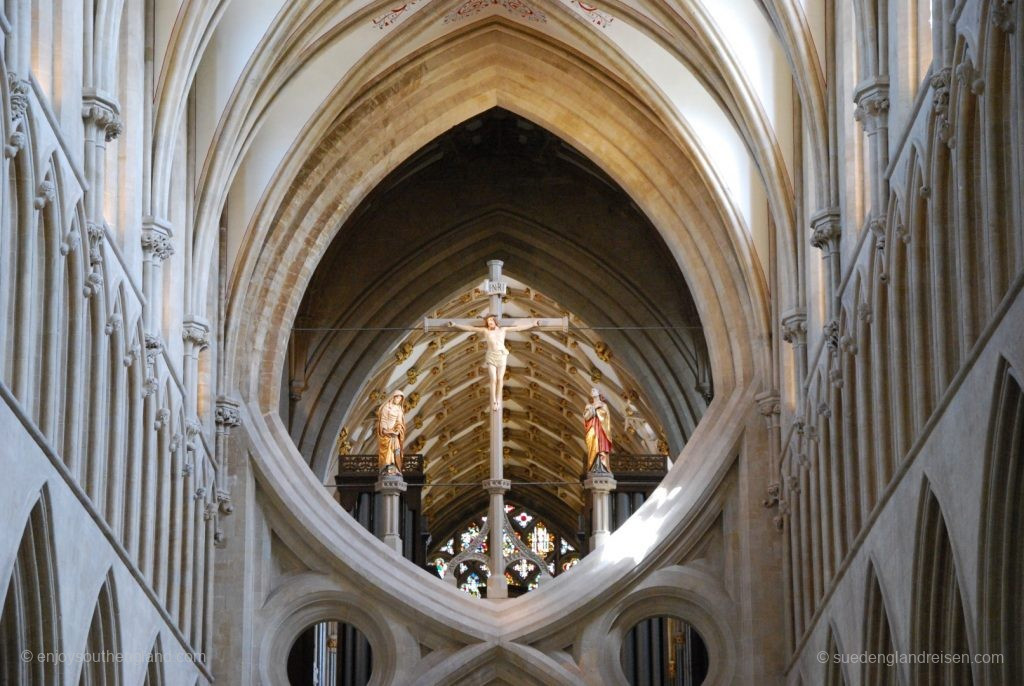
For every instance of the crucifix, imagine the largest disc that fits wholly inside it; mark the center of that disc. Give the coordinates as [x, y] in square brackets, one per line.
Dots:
[494, 329]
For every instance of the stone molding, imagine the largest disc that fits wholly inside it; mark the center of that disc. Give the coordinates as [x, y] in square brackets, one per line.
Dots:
[103, 113]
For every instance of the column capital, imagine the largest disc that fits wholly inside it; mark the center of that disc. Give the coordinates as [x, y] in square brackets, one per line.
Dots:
[794, 328]
[196, 332]
[872, 100]
[767, 403]
[493, 486]
[226, 413]
[826, 230]
[390, 483]
[157, 239]
[600, 483]
[103, 112]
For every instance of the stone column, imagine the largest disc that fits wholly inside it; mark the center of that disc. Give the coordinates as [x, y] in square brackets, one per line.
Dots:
[156, 247]
[794, 332]
[100, 114]
[226, 418]
[497, 587]
[600, 485]
[390, 487]
[825, 234]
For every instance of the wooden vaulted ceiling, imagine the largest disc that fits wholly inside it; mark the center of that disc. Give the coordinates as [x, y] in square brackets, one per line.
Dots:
[496, 186]
[548, 380]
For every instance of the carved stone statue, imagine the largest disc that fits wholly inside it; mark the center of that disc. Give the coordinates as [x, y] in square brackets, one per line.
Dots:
[391, 434]
[597, 425]
[497, 353]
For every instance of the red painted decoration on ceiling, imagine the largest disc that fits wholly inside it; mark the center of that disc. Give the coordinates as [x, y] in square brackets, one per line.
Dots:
[392, 16]
[592, 13]
[517, 8]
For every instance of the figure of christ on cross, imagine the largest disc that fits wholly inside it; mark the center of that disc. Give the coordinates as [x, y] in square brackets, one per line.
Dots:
[497, 357]
[497, 353]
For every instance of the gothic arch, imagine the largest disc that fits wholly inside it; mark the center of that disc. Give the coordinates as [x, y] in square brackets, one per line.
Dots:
[307, 214]
[31, 609]
[155, 667]
[103, 639]
[835, 672]
[878, 633]
[938, 621]
[1000, 549]
[484, 68]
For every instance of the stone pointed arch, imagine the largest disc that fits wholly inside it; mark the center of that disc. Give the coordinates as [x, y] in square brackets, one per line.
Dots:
[1001, 552]
[31, 609]
[493, 65]
[103, 639]
[489, 65]
[878, 633]
[938, 622]
[155, 667]
[835, 672]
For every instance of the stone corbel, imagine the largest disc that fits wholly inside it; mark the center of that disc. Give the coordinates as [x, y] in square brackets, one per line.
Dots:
[72, 239]
[192, 430]
[18, 90]
[826, 231]
[940, 83]
[132, 355]
[848, 344]
[45, 194]
[163, 416]
[831, 333]
[968, 75]
[224, 503]
[864, 312]
[774, 500]
[94, 281]
[769, 406]
[113, 324]
[1002, 16]
[877, 228]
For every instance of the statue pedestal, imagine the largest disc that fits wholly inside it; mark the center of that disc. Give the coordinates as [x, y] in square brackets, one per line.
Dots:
[600, 484]
[390, 487]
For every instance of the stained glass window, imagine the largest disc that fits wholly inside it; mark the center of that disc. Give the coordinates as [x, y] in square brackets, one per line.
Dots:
[472, 585]
[540, 540]
[523, 568]
[557, 553]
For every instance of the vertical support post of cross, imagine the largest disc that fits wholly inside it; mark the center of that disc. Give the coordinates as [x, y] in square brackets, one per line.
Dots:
[497, 485]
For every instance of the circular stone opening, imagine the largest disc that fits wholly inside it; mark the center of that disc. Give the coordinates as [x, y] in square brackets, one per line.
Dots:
[330, 653]
[664, 651]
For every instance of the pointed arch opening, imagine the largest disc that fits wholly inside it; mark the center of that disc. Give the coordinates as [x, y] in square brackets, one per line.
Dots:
[31, 611]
